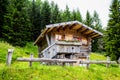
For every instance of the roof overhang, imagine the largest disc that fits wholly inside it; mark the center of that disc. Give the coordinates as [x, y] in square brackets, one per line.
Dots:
[76, 25]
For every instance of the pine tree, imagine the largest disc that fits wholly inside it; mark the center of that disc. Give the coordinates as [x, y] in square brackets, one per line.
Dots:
[52, 13]
[3, 11]
[97, 22]
[17, 23]
[79, 16]
[73, 15]
[97, 43]
[112, 36]
[88, 20]
[55, 13]
[45, 14]
[66, 16]
[35, 17]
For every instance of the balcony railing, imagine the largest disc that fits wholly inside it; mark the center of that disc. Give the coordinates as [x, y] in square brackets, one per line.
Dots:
[61, 47]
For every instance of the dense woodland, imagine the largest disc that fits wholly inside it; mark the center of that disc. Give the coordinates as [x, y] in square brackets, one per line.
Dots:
[21, 21]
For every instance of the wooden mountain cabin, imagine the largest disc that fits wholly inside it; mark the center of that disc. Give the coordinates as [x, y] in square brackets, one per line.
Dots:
[67, 40]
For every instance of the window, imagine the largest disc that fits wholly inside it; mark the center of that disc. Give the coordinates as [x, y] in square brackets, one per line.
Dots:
[68, 37]
[77, 38]
[84, 40]
[58, 37]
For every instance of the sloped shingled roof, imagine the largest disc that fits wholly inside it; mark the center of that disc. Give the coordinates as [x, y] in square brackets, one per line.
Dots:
[73, 25]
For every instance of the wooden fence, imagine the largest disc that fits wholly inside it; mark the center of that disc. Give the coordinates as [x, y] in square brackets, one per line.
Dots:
[9, 57]
[64, 61]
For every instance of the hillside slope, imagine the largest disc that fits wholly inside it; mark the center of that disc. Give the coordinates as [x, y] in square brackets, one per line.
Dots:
[22, 71]
[18, 51]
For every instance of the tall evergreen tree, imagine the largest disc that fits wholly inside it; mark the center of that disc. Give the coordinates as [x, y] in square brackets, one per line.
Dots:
[97, 22]
[79, 16]
[73, 15]
[66, 14]
[3, 10]
[45, 14]
[97, 43]
[17, 23]
[55, 13]
[112, 36]
[88, 20]
[35, 18]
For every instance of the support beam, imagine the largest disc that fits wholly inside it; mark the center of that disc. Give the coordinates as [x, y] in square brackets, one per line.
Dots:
[65, 26]
[72, 26]
[79, 28]
[83, 29]
[48, 40]
[50, 29]
[82, 32]
[58, 28]
[92, 34]
[97, 35]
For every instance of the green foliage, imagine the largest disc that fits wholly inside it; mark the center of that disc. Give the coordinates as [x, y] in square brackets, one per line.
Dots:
[112, 35]
[55, 16]
[3, 10]
[97, 56]
[35, 18]
[17, 24]
[45, 14]
[66, 16]
[75, 15]
[79, 16]
[97, 43]
[22, 71]
[95, 23]
[88, 20]
[96, 72]
[18, 51]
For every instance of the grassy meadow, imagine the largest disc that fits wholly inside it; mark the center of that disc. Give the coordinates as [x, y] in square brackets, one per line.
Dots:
[22, 71]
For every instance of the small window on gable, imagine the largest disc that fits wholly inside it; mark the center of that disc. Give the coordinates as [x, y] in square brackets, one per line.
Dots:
[84, 40]
[58, 37]
[68, 37]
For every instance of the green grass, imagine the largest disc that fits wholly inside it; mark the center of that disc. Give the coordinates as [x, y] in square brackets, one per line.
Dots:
[18, 51]
[95, 56]
[22, 71]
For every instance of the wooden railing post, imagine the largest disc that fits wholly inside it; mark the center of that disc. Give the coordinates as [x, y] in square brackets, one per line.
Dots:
[9, 57]
[87, 65]
[77, 63]
[108, 62]
[31, 56]
[119, 62]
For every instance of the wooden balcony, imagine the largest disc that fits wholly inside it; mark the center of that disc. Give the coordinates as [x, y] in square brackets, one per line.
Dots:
[61, 47]
[70, 47]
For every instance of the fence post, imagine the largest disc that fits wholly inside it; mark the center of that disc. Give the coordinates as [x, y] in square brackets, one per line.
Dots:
[9, 57]
[77, 63]
[31, 56]
[87, 65]
[119, 62]
[108, 62]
